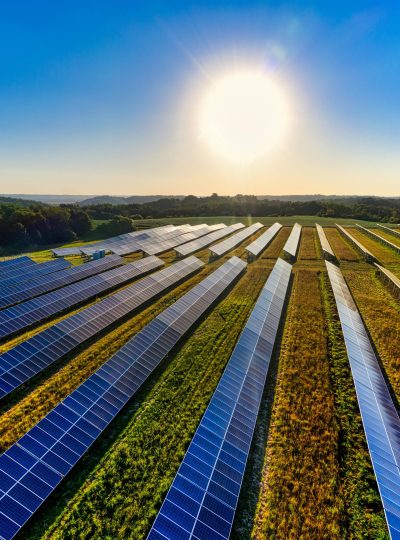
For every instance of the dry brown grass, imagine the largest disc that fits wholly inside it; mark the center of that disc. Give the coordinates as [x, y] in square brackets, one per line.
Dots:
[308, 245]
[387, 236]
[342, 248]
[299, 496]
[383, 253]
[274, 249]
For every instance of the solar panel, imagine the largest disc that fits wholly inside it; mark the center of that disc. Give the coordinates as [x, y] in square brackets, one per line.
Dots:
[24, 274]
[393, 280]
[364, 251]
[25, 360]
[135, 244]
[202, 499]
[255, 248]
[380, 239]
[23, 316]
[204, 241]
[151, 248]
[130, 244]
[114, 242]
[36, 464]
[226, 245]
[389, 229]
[325, 245]
[292, 243]
[47, 283]
[10, 264]
[379, 415]
[66, 252]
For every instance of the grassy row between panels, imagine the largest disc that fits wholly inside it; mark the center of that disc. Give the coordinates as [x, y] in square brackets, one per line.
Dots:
[381, 313]
[308, 246]
[318, 480]
[342, 248]
[382, 253]
[387, 236]
[299, 494]
[275, 248]
[117, 494]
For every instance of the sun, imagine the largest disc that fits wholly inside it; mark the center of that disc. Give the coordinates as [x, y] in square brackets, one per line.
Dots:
[244, 116]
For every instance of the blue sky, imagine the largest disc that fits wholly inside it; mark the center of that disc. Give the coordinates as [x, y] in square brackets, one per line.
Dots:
[101, 96]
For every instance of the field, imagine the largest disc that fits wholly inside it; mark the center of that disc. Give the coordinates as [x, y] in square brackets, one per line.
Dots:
[309, 474]
[284, 220]
[391, 237]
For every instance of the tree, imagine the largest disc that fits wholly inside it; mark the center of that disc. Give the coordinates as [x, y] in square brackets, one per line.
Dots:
[118, 225]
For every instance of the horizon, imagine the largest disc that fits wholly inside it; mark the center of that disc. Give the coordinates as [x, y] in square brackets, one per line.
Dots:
[171, 195]
[102, 94]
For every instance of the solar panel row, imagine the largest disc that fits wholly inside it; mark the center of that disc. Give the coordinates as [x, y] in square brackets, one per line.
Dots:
[204, 241]
[107, 244]
[10, 264]
[31, 312]
[226, 245]
[34, 466]
[292, 243]
[325, 245]
[363, 250]
[135, 244]
[380, 239]
[25, 360]
[42, 284]
[153, 238]
[154, 249]
[202, 499]
[379, 415]
[393, 280]
[32, 272]
[389, 229]
[255, 248]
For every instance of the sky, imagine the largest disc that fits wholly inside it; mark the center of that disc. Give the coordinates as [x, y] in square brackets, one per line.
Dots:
[103, 97]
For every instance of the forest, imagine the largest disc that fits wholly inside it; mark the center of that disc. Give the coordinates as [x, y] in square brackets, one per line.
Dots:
[368, 208]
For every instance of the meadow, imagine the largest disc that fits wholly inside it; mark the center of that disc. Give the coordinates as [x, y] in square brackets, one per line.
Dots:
[309, 473]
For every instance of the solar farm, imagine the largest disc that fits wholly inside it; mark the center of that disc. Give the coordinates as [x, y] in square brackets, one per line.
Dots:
[206, 382]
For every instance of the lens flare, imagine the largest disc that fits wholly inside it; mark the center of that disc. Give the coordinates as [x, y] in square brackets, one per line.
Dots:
[244, 116]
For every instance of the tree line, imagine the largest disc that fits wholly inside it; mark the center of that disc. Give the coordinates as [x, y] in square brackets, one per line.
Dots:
[366, 208]
[23, 226]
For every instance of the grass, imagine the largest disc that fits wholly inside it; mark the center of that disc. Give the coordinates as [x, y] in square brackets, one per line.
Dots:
[387, 236]
[308, 244]
[381, 252]
[275, 248]
[123, 491]
[381, 313]
[299, 495]
[248, 220]
[342, 247]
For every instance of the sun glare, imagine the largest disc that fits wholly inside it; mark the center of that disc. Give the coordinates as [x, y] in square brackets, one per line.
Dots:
[244, 116]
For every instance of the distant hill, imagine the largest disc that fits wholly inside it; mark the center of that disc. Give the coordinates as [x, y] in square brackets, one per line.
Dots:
[49, 199]
[134, 199]
[5, 199]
